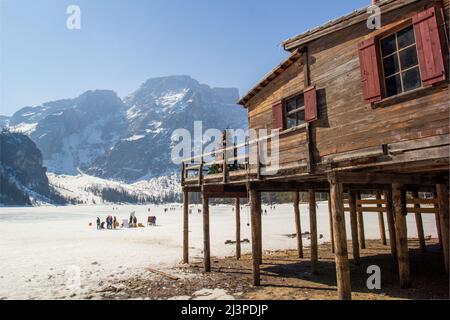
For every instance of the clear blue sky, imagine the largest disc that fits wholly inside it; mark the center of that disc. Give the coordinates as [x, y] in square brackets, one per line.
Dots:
[228, 43]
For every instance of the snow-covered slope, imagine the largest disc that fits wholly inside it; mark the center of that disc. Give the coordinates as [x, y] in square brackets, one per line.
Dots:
[85, 189]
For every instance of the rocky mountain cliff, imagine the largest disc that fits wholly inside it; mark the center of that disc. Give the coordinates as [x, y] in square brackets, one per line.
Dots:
[22, 175]
[127, 140]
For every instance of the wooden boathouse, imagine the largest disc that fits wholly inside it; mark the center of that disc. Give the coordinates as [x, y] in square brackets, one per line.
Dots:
[357, 111]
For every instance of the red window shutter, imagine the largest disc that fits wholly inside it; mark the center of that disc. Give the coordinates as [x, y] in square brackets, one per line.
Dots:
[278, 116]
[370, 76]
[429, 47]
[310, 96]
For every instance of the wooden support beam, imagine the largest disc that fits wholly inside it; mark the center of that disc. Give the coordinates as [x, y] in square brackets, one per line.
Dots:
[340, 240]
[206, 235]
[438, 221]
[381, 221]
[354, 227]
[386, 178]
[419, 224]
[238, 228]
[298, 225]
[185, 227]
[390, 222]
[313, 232]
[360, 219]
[255, 211]
[331, 223]
[399, 202]
[442, 193]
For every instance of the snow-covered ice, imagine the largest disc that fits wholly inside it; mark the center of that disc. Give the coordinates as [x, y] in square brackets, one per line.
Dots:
[43, 249]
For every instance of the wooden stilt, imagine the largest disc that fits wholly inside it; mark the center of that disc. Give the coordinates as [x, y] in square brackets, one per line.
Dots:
[362, 236]
[390, 222]
[185, 227]
[331, 224]
[259, 225]
[438, 222]
[255, 210]
[354, 227]
[419, 225]
[340, 240]
[442, 193]
[381, 221]
[313, 231]
[298, 226]
[206, 236]
[238, 228]
[399, 201]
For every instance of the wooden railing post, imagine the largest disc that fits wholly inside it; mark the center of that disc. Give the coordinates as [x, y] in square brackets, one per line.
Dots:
[200, 172]
[183, 173]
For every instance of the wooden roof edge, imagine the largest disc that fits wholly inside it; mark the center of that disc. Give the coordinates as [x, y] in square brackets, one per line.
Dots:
[269, 77]
[333, 25]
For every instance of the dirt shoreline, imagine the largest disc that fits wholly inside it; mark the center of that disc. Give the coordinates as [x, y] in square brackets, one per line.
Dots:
[285, 277]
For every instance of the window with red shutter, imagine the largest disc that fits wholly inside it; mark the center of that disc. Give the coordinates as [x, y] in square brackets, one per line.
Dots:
[370, 76]
[278, 116]
[429, 47]
[310, 95]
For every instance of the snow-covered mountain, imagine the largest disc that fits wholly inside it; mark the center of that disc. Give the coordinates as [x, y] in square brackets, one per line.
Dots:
[85, 189]
[128, 140]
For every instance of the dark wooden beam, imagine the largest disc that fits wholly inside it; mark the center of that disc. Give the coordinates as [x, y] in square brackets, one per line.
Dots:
[185, 227]
[419, 224]
[206, 236]
[442, 193]
[354, 227]
[399, 201]
[238, 228]
[390, 222]
[381, 221]
[388, 178]
[340, 240]
[255, 211]
[313, 232]
[298, 225]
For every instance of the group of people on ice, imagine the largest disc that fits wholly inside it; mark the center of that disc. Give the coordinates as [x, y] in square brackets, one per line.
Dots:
[111, 223]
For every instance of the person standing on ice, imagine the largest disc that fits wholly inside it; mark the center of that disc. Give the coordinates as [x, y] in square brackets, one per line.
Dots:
[98, 223]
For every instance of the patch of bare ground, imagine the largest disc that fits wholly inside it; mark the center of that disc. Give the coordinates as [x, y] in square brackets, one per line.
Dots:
[286, 277]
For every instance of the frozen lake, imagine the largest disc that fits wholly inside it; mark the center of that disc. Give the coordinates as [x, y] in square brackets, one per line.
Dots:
[42, 249]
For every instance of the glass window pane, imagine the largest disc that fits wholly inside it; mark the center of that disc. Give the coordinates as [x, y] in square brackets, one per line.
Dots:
[291, 120]
[406, 37]
[408, 58]
[300, 101]
[290, 105]
[411, 79]
[393, 86]
[390, 65]
[388, 45]
[300, 117]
